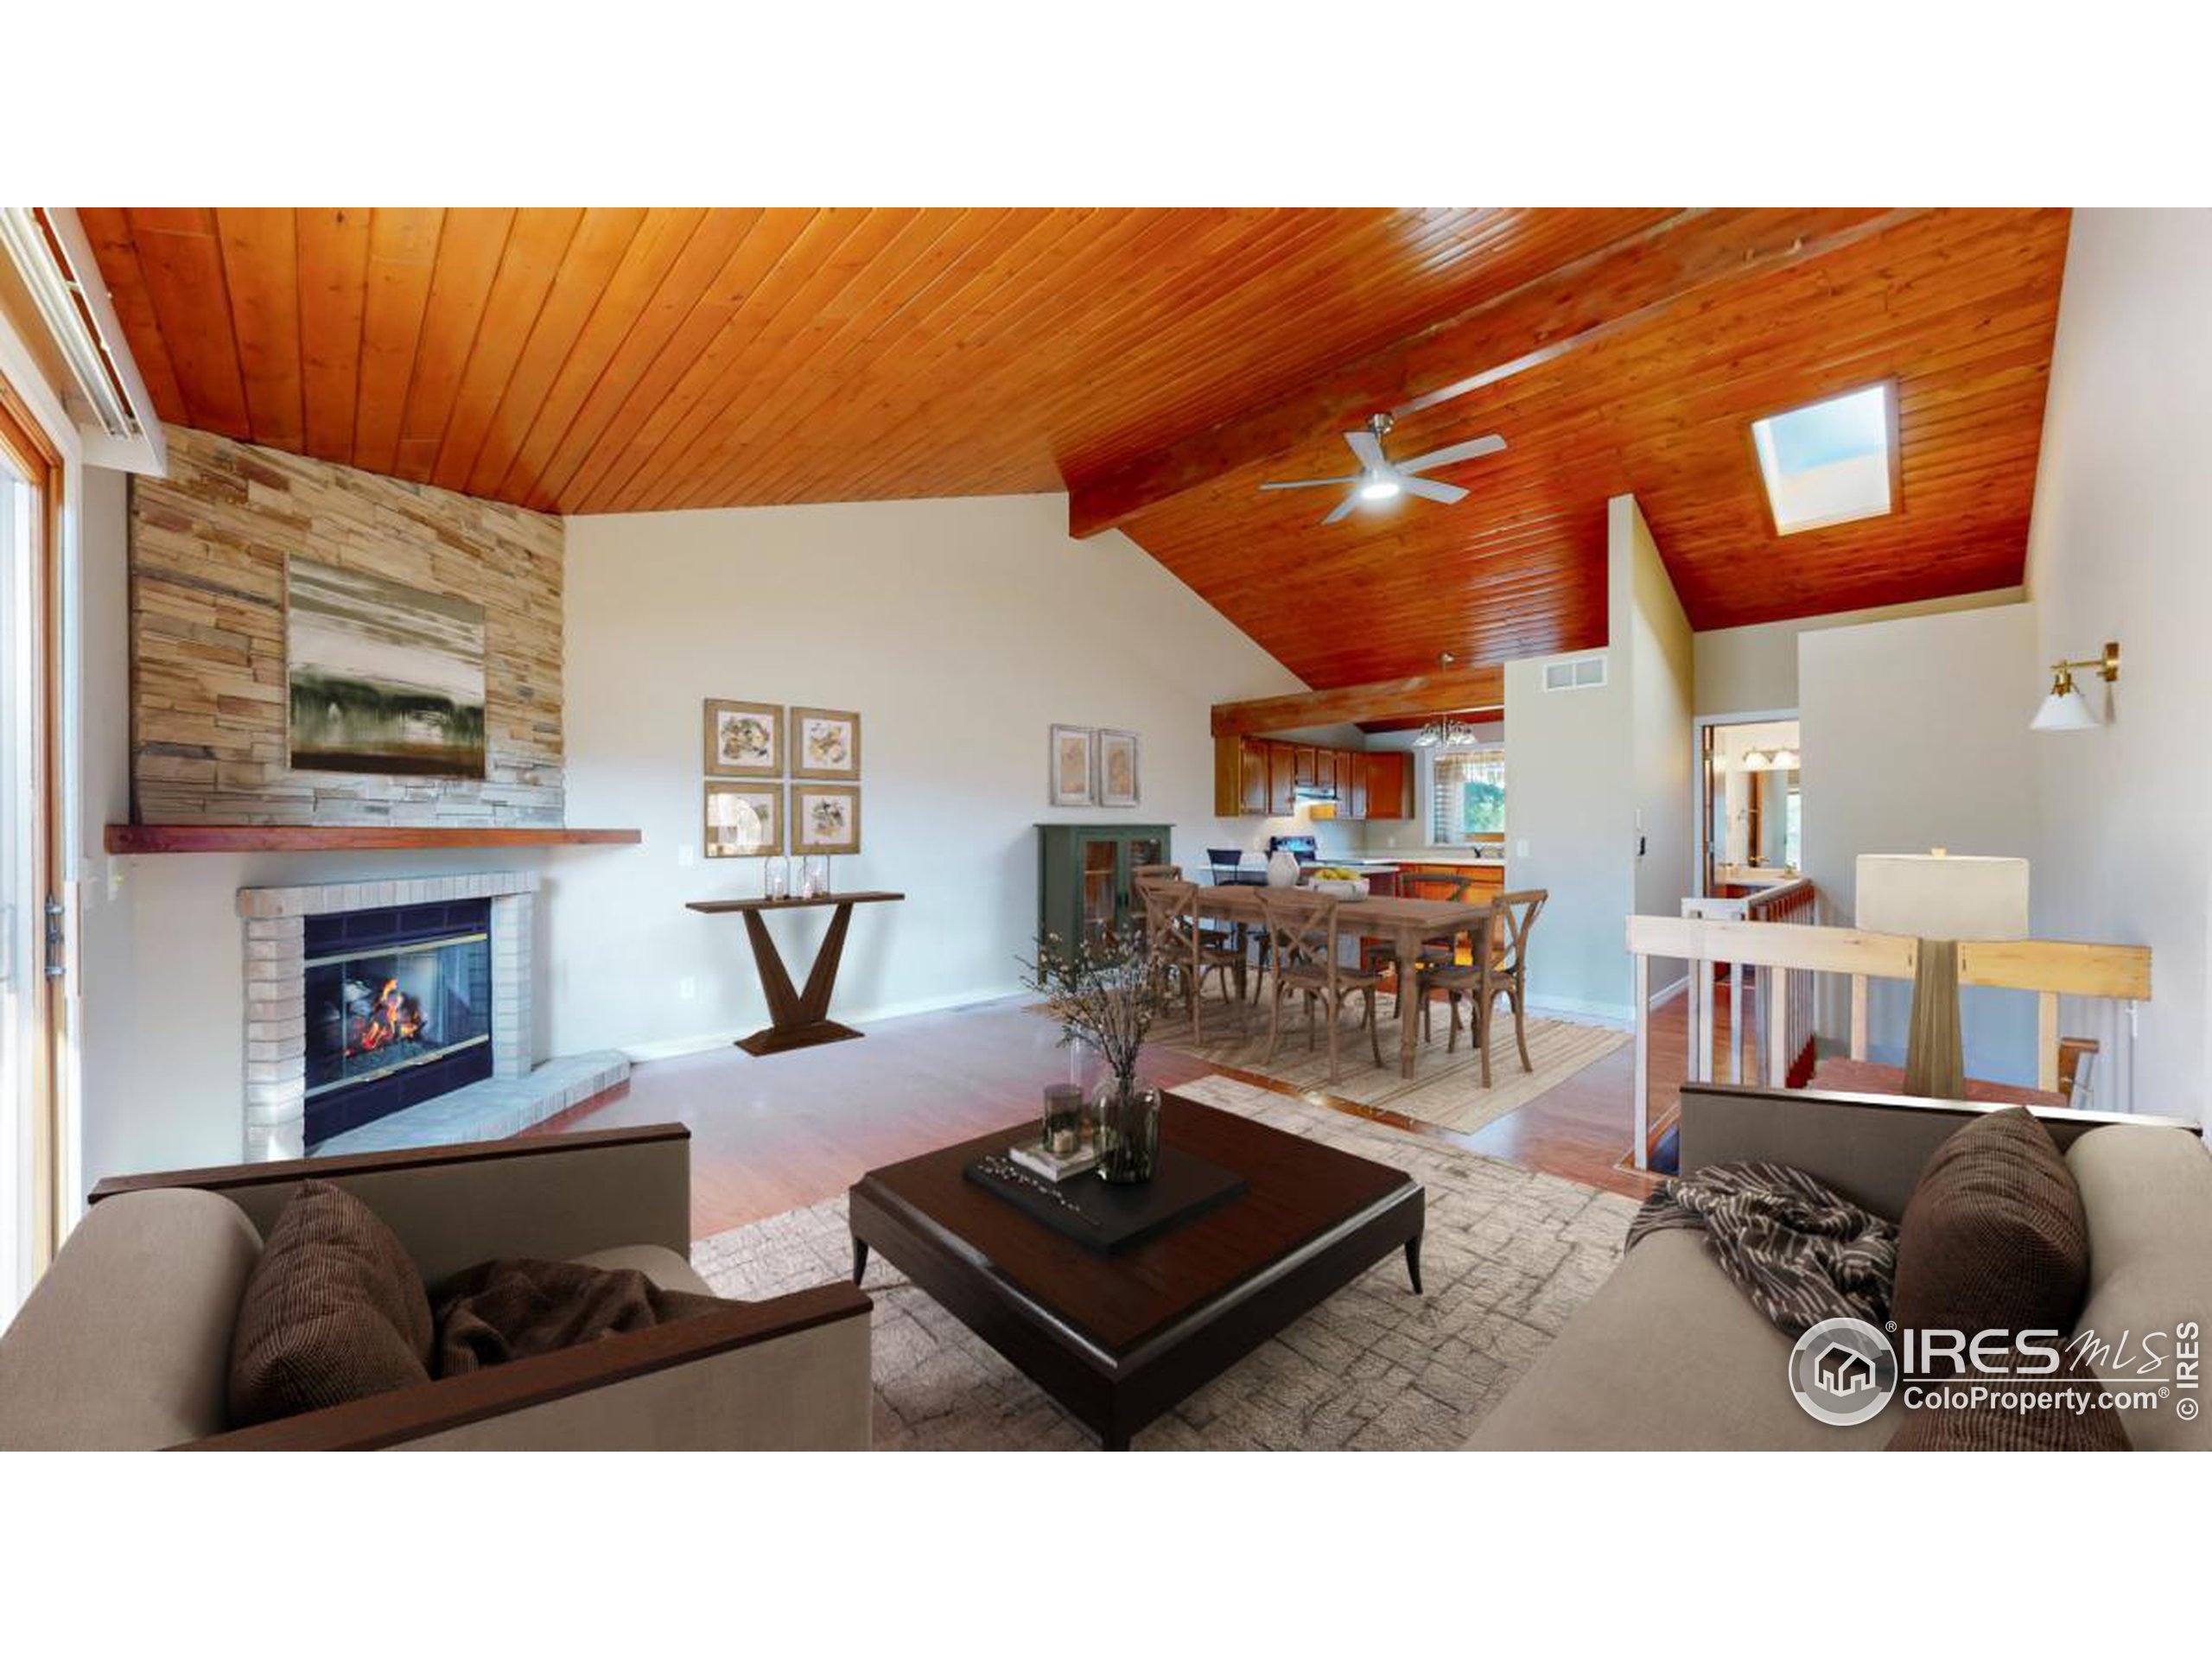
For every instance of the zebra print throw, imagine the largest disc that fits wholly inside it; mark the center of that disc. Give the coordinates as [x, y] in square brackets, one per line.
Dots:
[1799, 1249]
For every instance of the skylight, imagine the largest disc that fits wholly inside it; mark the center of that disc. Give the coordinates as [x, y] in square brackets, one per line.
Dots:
[1829, 462]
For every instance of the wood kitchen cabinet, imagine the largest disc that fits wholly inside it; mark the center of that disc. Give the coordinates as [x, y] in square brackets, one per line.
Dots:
[1240, 776]
[1282, 779]
[1387, 775]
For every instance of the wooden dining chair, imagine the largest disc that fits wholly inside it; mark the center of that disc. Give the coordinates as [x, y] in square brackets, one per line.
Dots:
[1442, 951]
[1301, 937]
[1180, 949]
[1503, 967]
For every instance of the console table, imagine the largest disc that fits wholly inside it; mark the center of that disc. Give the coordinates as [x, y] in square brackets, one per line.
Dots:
[796, 1020]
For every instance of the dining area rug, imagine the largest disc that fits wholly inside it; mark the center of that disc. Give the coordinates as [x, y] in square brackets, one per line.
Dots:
[1446, 1087]
[1507, 1255]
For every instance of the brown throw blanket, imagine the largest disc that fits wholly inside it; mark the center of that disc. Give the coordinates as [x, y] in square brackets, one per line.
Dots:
[504, 1310]
[1799, 1249]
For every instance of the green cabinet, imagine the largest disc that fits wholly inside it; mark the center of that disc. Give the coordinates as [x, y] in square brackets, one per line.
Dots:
[1083, 873]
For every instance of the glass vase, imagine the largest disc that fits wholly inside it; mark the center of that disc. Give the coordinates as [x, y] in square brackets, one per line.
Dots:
[1128, 1130]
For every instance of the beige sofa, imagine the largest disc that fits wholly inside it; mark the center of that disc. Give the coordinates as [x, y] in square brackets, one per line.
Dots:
[1671, 1355]
[126, 1342]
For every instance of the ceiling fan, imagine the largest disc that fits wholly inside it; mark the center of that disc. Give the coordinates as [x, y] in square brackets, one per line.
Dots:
[1380, 478]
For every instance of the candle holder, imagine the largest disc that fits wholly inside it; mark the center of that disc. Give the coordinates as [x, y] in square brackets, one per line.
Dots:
[775, 878]
[1064, 1119]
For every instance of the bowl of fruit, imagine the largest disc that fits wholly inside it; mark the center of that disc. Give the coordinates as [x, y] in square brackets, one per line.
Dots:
[1337, 879]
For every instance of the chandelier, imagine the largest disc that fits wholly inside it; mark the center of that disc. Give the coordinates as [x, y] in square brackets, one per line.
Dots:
[1446, 730]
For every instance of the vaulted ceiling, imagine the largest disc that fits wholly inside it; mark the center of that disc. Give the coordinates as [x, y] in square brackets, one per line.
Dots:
[1159, 365]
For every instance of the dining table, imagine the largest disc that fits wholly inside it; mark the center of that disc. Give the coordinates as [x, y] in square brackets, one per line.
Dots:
[1404, 923]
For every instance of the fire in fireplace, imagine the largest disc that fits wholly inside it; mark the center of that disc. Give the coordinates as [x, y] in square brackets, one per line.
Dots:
[398, 1009]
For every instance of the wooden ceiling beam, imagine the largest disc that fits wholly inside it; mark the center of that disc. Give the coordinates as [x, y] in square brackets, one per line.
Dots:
[1450, 691]
[1590, 299]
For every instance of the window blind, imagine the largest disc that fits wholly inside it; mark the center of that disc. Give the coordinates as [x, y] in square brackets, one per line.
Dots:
[1466, 795]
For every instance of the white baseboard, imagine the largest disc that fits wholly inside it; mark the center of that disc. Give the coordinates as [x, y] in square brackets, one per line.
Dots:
[1620, 1016]
[1668, 993]
[673, 1048]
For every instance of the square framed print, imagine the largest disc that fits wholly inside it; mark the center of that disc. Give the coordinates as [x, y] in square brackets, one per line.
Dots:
[826, 743]
[1074, 752]
[744, 820]
[744, 739]
[1117, 768]
[825, 818]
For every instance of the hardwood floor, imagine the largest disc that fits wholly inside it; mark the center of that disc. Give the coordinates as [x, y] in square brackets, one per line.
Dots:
[772, 1135]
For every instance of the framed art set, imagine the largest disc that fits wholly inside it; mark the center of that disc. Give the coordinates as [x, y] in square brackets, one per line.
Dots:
[751, 813]
[1093, 767]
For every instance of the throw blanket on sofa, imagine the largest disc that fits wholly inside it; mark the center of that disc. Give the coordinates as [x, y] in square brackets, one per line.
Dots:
[1799, 1250]
[498, 1311]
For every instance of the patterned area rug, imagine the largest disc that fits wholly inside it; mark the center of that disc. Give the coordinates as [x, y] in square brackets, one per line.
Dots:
[1446, 1087]
[1507, 1256]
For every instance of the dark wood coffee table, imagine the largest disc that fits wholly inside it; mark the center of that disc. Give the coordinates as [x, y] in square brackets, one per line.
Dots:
[1117, 1340]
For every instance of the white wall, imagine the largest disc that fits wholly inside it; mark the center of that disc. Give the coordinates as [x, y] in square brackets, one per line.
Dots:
[960, 630]
[1661, 741]
[1582, 770]
[1915, 735]
[1753, 670]
[2120, 547]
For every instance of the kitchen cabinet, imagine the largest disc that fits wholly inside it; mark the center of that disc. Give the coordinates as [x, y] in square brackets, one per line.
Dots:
[1351, 786]
[1259, 777]
[1388, 795]
[1084, 876]
[1240, 776]
[1282, 779]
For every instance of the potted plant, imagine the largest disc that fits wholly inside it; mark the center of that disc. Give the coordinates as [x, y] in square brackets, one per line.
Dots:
[1104, 994]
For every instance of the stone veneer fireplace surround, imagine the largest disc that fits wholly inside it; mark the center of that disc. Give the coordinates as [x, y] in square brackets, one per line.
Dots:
[275, 970]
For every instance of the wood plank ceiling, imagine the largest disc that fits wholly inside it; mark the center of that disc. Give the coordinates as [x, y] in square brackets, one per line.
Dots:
[1159, 365]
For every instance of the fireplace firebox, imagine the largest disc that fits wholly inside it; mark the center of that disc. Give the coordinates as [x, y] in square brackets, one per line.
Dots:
[398, 1009]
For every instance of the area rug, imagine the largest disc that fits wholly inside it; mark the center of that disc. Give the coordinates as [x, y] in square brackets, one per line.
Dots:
[1507, 1255]
[1446, 1088]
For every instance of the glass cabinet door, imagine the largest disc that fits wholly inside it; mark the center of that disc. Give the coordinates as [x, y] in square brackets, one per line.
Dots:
[1102, 890]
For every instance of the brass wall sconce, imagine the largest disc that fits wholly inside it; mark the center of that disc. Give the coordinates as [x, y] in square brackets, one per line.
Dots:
[2065, 709]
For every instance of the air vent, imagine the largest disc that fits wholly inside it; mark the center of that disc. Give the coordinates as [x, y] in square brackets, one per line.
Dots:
[1579, 674]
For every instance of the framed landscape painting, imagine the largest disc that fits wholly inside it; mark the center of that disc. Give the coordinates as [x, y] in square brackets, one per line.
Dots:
[744, 739]
[826, 743]
[1074, 748]
[1117, 768]
[744, 820]
[825, 818]
[381, 678]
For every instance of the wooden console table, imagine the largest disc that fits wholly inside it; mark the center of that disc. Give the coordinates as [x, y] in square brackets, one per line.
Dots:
[795, 1020]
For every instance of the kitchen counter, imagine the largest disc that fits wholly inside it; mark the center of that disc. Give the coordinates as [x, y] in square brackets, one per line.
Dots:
[1440, 857]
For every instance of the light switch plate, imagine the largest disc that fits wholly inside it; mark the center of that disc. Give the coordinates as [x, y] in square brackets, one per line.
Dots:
[1520, 849]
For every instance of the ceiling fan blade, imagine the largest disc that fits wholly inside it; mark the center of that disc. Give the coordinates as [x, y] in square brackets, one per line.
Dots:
[1430, 489]
[1343, 507]
[1369, 448]
[1451, 453]
[1309, 483]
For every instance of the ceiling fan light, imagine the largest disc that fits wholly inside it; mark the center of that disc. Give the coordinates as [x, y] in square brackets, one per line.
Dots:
[1378, 489]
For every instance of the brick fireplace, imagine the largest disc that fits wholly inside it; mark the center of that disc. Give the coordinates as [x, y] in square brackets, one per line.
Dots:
[296, 1076]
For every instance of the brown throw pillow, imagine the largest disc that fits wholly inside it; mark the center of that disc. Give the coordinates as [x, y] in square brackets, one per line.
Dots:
[1994, 1426]
[335, 1311]
[1994, 1237]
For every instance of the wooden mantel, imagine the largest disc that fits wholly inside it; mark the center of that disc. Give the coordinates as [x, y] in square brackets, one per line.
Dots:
[331, 838]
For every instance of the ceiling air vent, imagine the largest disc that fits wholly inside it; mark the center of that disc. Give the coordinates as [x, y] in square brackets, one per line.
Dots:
[1579, 674]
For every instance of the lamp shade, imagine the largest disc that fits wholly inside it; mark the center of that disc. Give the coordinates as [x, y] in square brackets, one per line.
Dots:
[2064, 711]
[1933, 896]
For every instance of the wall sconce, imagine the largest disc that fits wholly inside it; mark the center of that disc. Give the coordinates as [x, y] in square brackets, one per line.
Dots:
[2065, 709]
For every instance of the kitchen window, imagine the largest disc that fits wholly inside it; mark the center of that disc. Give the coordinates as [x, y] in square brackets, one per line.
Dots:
[1466, 797]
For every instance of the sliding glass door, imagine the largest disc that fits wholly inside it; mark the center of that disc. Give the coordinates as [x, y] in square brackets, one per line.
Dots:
[18, 938]
[28, 1141]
